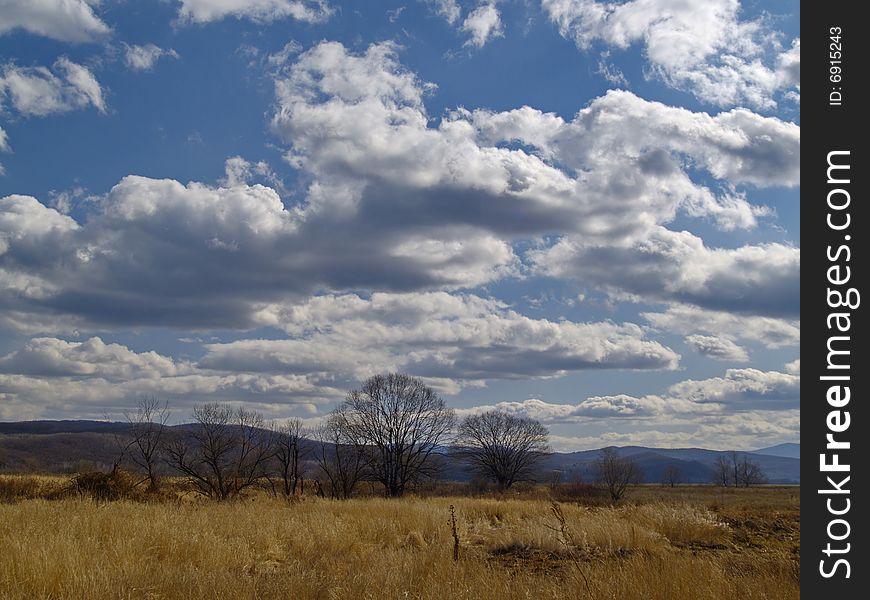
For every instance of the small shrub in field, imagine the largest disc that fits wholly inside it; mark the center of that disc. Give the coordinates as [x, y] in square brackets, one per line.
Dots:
[115, 485]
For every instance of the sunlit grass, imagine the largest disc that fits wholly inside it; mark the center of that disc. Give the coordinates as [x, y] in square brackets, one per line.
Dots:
[263, 547]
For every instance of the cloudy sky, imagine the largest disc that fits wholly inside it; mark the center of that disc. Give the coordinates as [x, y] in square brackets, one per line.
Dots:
[580, 210]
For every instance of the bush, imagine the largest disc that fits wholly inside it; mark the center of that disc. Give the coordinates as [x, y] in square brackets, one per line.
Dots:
[115, 485]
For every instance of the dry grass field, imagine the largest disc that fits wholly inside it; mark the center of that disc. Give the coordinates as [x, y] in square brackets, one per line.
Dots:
[682, 543]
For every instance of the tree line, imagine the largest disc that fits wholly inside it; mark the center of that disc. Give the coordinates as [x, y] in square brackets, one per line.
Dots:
[394, 431]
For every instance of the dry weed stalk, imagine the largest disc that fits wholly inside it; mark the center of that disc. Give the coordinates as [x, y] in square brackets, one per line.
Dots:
[455, 533]
[567, 539]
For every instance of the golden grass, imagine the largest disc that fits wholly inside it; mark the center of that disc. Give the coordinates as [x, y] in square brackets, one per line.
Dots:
[375, 548]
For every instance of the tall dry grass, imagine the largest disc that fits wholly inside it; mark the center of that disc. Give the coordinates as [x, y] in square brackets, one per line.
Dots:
[374, 548]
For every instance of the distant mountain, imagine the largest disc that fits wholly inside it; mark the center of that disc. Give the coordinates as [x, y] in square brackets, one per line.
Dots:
[786, 450]
[64, 446]
[46, 427]
[695, 464]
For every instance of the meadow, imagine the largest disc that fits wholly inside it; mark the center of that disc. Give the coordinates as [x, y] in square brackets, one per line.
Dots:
[668, 543]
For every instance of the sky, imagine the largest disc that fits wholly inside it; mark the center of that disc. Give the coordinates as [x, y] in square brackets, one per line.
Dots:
[582, 211]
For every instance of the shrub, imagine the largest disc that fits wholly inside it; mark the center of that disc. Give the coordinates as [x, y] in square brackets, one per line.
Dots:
[115, 485]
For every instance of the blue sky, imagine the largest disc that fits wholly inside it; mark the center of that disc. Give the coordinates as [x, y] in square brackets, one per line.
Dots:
[583, 211]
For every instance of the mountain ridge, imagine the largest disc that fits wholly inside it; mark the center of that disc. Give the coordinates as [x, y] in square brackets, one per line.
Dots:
[63, 446]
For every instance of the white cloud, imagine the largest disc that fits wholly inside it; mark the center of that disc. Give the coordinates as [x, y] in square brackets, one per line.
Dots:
[143, 58]
[678, 267]
[398, 204]
[63, 20]
[727, 412]
[770, 332]
[718, 347]
[241, 172]
[482, 24]
[358, 125]
[738, 390]
[701, 47]
[794, 367]
[39, 91]
[743, 389]
[4, 141]
[52, 357]
[743, 431]
[54, 378]
[449, 9]
[282, 57]
[259, 11]
[593, 407]
[456, 339]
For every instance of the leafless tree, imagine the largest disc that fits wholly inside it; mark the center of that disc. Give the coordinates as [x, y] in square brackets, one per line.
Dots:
[672, 475]
[616, 473]
[502, 447]
[289, 451]
[147, 430]
[734, 460]
[749, 473]
[339, 459]
[722, 471]
[224, 452]
[401, 423]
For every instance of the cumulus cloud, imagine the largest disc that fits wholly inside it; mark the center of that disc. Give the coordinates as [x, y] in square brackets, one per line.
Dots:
[718, 347]
[358, 125]
[702, 47]
[448, 338]
[63, 20]
[452, 341]
[55, 378]
[196, 257]
[4, 141]
[52, 357]
[677, 267]
[794, 367]
[482, 24]
[40, 91]
[258, 11]
[727, 412]
[620, 405]
[143, 58]
[397, 204]
[744, 389]
[742, 431]
[768, 331]
[738, 390]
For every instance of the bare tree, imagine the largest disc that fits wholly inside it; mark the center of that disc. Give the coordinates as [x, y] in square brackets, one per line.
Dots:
[401, 423]
[734, 461]
[502, 447]
[289, 451]
[147, 429]
[721, 471]
[672, 475]
[224, 452]
[616, 472]
[341, 461]
[749, 473]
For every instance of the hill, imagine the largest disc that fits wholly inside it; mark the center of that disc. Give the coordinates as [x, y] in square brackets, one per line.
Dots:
[785, 450]
[66, 446]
